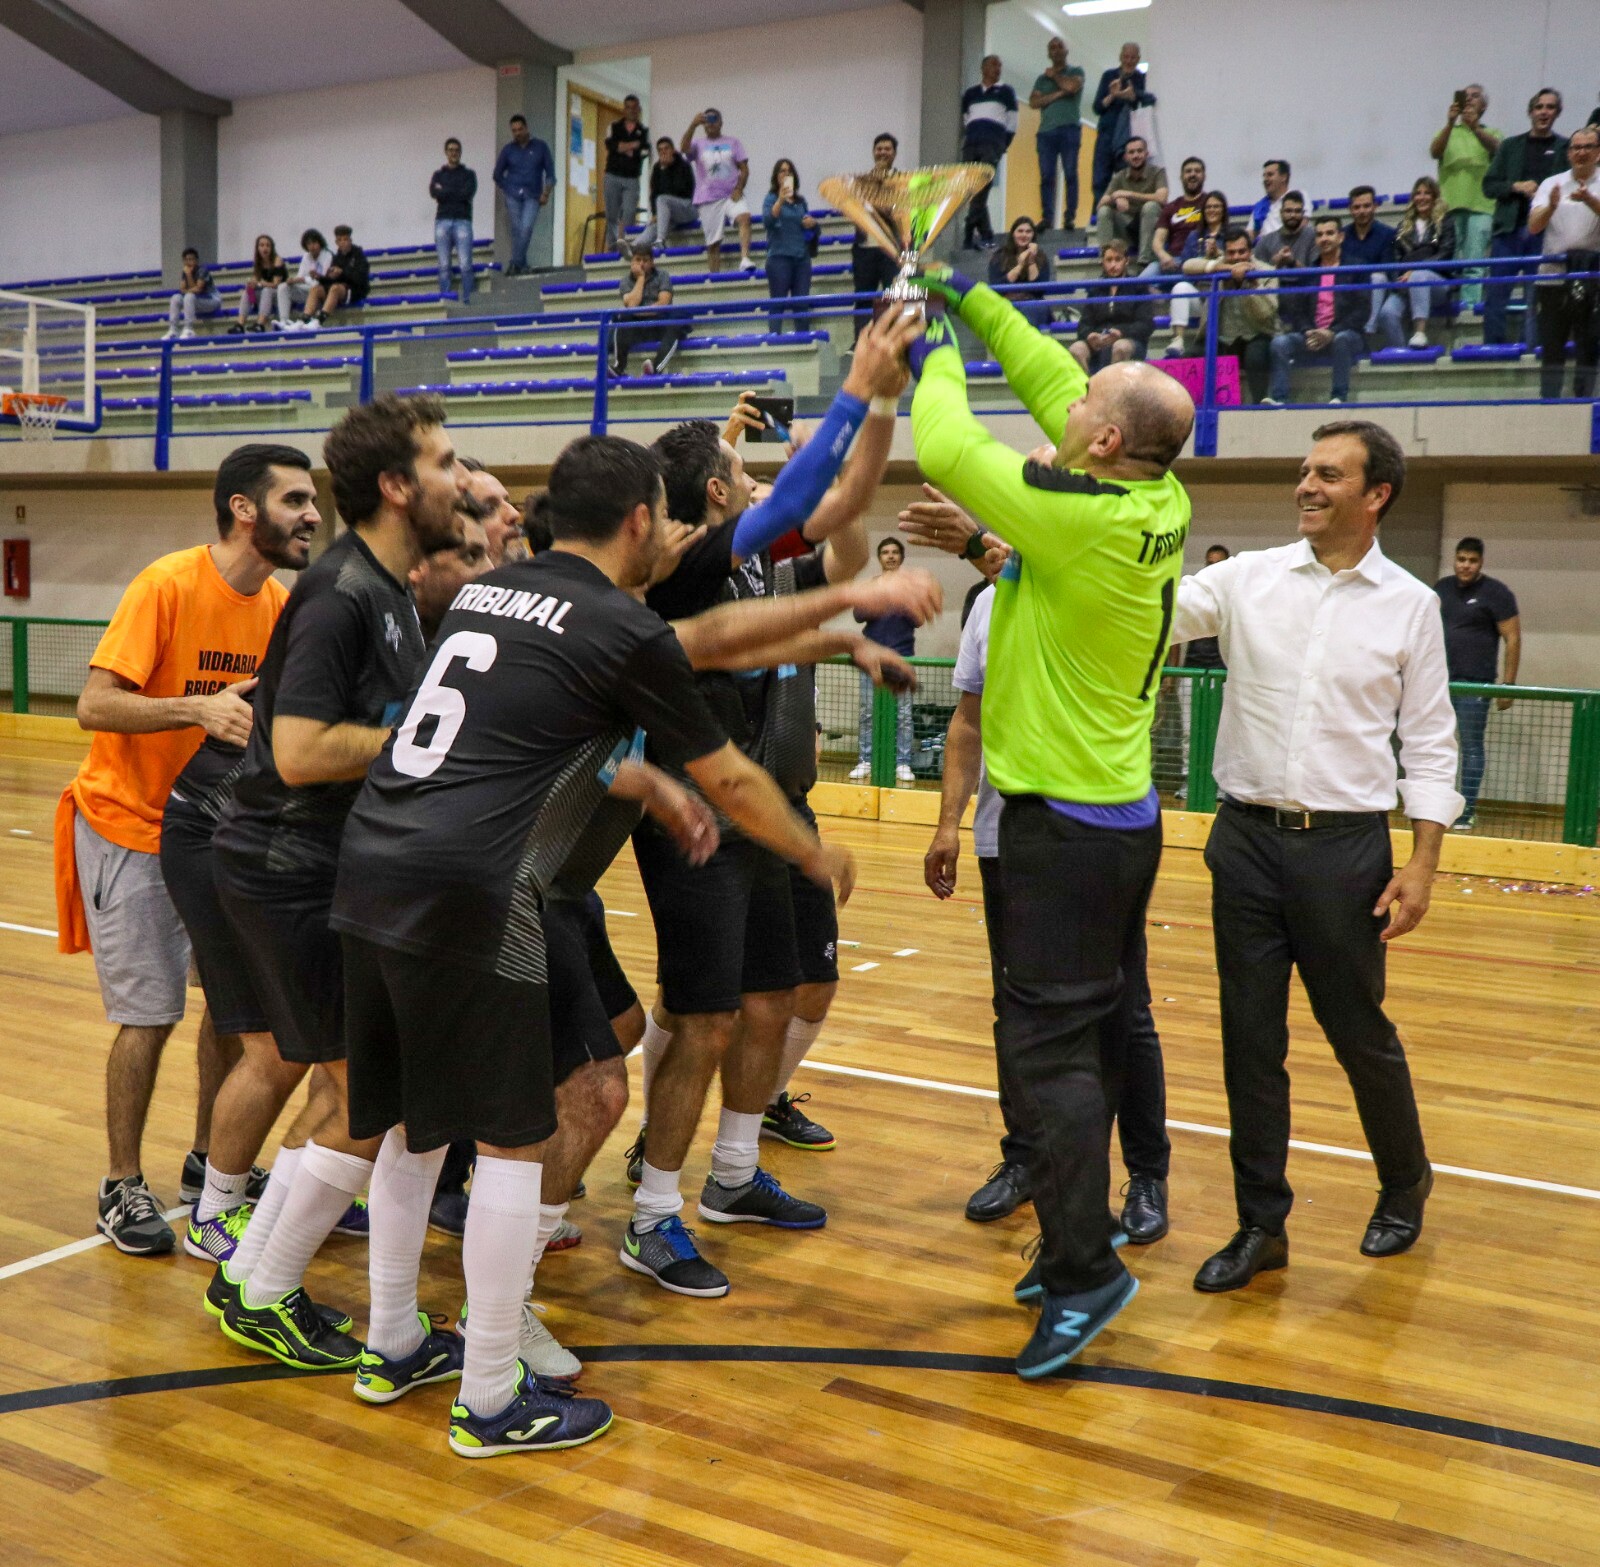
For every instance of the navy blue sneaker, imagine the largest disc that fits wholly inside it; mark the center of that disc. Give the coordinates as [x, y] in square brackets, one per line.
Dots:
[380, 1380]
[354, 1221]
[1030, 1287]
[1068, 1322]
[541, 1416]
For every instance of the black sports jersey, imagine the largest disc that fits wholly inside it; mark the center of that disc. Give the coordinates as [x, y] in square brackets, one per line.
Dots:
[601, 841]
[542, 672]
[346, 649]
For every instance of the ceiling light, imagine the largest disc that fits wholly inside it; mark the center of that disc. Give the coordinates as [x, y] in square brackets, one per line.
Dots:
[1100, 7]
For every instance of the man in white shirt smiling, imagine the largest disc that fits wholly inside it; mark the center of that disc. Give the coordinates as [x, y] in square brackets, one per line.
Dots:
[1331, 648]
[1566, 210]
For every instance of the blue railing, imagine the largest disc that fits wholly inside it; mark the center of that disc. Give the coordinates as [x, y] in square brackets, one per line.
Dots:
[1511, 273]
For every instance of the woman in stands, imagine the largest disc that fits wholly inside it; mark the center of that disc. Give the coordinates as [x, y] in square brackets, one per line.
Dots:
[1203, 244]
[791, 243]
[314, 263]
[197, 296]
[1020, 260]
[268, 284]
[1424, 234]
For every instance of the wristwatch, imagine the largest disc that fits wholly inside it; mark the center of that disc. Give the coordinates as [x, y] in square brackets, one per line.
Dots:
[974, 548]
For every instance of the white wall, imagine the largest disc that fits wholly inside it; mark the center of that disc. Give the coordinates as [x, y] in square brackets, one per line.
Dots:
[83, 199]
[1350, 92]
[814, 89]
[360, 155]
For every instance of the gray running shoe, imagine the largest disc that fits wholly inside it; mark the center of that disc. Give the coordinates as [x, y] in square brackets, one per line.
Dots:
[130, 1218]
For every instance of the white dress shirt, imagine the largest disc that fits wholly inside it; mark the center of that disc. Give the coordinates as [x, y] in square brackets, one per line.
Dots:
[1323, 668]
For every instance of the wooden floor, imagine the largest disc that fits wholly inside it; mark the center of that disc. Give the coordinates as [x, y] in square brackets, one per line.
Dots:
[1440, 1408]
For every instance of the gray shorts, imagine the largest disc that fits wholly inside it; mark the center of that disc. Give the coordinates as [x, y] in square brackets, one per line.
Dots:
[141, 950]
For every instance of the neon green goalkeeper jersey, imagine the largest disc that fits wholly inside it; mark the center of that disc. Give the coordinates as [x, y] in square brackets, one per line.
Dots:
[1084, 607]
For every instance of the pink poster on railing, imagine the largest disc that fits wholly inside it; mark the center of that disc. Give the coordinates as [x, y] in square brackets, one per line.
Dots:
[1191, 373]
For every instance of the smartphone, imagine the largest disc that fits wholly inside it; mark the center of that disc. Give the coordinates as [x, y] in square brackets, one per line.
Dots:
[777, 414]
[1461, 97]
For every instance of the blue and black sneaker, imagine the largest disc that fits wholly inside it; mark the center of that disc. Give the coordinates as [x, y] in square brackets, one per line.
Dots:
[759, 1201]
[354, 1221]
[1068, 1322]
[223, 1288]
[217, 1238]
[541, 1417]
[666, 1252]
[437, 1358]
[1030, 1287]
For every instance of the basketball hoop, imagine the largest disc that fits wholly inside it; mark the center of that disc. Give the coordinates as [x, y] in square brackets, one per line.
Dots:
[36, 413]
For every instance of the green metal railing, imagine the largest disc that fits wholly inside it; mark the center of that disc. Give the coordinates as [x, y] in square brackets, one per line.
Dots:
[1542, 753]
[1541, 778]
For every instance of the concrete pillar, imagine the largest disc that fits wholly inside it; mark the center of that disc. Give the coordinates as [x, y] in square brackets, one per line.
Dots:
[527, 87]
[952, 53]
[188, 188]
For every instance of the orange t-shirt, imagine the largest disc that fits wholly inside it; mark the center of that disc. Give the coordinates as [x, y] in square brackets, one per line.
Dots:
[180, 630]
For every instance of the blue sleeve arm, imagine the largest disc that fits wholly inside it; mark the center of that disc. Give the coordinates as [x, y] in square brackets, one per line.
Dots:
[499, 175]
[803, 480]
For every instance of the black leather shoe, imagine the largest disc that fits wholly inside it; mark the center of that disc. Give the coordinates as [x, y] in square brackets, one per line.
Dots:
[1144, 1212]
[1250, 1252]
[1397, 1220]
[1007, 1188]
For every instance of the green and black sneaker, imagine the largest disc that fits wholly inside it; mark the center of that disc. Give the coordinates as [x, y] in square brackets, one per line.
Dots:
[224, 1288]
[292, 1330]
[633, 1159]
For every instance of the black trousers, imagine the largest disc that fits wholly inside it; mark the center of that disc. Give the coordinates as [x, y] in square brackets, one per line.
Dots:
[976, 224]
[1282, 898]
[871, 269]
[1141, 1113]
[1568, 311]
[1255, 362]
[664, 335]
[1073, 902]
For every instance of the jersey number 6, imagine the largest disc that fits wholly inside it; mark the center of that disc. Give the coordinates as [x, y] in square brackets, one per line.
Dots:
[445, 703]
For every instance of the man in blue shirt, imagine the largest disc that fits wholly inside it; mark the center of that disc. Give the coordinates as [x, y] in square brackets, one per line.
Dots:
[1366, 239]
[526, 174]
[1123, 88]
[988, 122]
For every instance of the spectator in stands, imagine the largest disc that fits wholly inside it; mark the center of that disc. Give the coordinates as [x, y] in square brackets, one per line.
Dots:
[1565, 213]
[525, 174]
[452, 187]
[1177, 219]
[988, 124]
[872, 267]
[1517, 170]
[1123, 88]
[197, 296]
[268, 284]
[1247, 308]
[1324, 322]
[898, 633]
[646, 286]
[315, 259]
[627, 148]
[1203, 244]
[1117, 315]
[346, 282]
[1479, 613]
[1463, 150]
[1366, 240]
[1058, 96]
[1131, 207]
[1020, 259]
[1424, 235]
[721, 170]
[791, 243]
[1294, 242]
[671, 196]
[1266, 217]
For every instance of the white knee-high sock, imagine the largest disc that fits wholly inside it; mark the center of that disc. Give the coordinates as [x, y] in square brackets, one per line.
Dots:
[657, 1198]
[734, 1155]
[323, 1186]
[265, 1214]
[402, 1192]
[550, 1217]
[797, 1043]
[497, 1258]
[654, 1045]
[221, 1193]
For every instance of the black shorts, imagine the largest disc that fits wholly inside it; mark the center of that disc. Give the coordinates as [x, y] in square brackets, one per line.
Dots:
[580, 1016]
[186, 866]
[816, 919]
[452, 1053]
[280, 922]
[617, 995]
[723, 930]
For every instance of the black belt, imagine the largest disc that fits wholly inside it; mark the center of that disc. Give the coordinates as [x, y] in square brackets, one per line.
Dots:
[1293, 819]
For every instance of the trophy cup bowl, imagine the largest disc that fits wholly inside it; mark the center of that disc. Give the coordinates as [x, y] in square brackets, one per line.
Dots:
[903, 212]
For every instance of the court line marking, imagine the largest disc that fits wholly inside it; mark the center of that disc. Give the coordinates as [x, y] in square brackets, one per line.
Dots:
[1494, 1177]
[29, 930]
[73, 1248]
[885, 1359]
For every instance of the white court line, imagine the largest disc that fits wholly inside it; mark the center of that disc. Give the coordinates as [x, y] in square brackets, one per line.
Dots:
[861, 968]
[73, 1248]
[29, 930]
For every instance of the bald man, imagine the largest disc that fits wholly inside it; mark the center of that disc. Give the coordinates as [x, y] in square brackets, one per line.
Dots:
[1080, 624]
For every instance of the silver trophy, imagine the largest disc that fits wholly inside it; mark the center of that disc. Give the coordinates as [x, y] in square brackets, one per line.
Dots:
[903, 212]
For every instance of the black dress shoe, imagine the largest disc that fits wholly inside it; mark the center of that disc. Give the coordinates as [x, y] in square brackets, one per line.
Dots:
[1144, 1212]
[1397, 1220]
[1007, 1188]
[1250, 1252]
